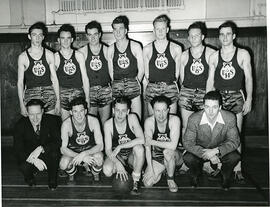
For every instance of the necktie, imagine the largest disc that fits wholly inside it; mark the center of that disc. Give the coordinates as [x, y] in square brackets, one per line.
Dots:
[38, 130]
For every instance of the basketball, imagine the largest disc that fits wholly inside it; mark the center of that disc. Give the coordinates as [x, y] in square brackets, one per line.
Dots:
[122, 186]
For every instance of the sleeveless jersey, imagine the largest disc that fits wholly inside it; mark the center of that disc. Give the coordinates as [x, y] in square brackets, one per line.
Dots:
[157, 152]
[97, 68]
[161, 65]
[81, 141]
[124, 64]
[38, 72]
[68, 72]
[196, 71]
[118, 139]
[228, 75]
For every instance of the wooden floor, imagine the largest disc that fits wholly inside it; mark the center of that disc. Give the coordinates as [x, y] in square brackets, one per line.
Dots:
[255, 192]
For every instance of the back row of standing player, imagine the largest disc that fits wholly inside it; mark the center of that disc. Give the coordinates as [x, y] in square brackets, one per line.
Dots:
[101, 73]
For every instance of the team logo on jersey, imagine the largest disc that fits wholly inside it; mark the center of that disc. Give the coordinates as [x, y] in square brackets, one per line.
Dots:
[82, 138]
[163, 137]
[123, 138]
[69, 67]
[197, 67]
[38, 68]
[161, 61]
[227, 71]
[123, 61]
[95, 63]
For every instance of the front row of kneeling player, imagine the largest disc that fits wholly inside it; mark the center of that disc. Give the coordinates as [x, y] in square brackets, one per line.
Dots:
[211, 135]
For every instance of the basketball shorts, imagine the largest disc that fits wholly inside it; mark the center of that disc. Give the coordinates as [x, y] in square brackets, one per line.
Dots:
[232, 100]
[129, 87]
[100, 96]
[68, 94]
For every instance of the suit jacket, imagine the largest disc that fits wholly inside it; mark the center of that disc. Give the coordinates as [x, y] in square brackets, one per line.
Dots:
[224, 136]
[26, 140]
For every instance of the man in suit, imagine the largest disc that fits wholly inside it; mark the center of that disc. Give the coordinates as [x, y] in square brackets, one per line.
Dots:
[37, 143]
[211, 135]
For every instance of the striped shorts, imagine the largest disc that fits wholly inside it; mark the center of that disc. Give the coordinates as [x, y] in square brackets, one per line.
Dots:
[68, 94]
[170, 90]
[100, 96]
[44, 93]
[232, 100]
[191, 99]
[129, 87]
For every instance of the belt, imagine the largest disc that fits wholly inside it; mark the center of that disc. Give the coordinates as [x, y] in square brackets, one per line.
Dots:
[229, 91]
[162, 83]
[196, 89]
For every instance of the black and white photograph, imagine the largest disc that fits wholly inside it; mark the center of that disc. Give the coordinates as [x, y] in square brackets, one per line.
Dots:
[134, 103]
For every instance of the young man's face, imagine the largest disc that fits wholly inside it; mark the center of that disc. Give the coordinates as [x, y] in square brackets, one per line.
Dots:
[160, 30]
[65, 39]
[93, 36]
[161, 111]
[78, 112]
[119, 31]
[120, 112]
[195, 37]
[36, 36]
[211, 109]
[226, 36]
[35, 113]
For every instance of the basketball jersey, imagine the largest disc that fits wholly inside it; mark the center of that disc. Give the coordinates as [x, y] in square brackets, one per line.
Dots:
[124, 64]
[161, 65]
[81, 141]
[196, 71]
[228, 75]
[97, 68]
[38, 72]
[161, 137]
[68, 72]
[118, 139]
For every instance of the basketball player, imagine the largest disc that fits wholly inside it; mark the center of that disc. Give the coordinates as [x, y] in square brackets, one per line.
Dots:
[126, 65]
[82, 141]
[95, 53]
[161, 62]
[229, 67]
[162, 131]
[124, 141]
[70, 70]
[36, 75]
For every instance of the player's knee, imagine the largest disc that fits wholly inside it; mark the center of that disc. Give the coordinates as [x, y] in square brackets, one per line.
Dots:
[64, 163]
[148, 183]
[107, 169]
[169, 154]
[99, 158]
[138, 150]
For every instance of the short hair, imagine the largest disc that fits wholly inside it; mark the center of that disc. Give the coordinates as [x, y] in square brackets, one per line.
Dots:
[198, 25]
[122, 19]
[122, 100]
[67, 28]
[35, 102]
[162, 18]
[38, 25]
[161, 99]
[93, 24]
[78, 101]
[214, 96]
[230, 24]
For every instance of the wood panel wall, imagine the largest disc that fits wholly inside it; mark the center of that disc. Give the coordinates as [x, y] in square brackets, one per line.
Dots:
[253, 39]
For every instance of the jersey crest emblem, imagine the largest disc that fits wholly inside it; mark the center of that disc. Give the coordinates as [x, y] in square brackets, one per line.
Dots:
[197, 67]
[95, 63]
[123, 138]
[38, 68]
[227, 71]
[123, 61]
[161, 61]
[69, 67]
[163, 137]
[82, 138]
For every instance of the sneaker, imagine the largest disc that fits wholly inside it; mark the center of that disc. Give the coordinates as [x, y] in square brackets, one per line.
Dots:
[238, 177]
[215, 175]
[172, 186]
[135, 189]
